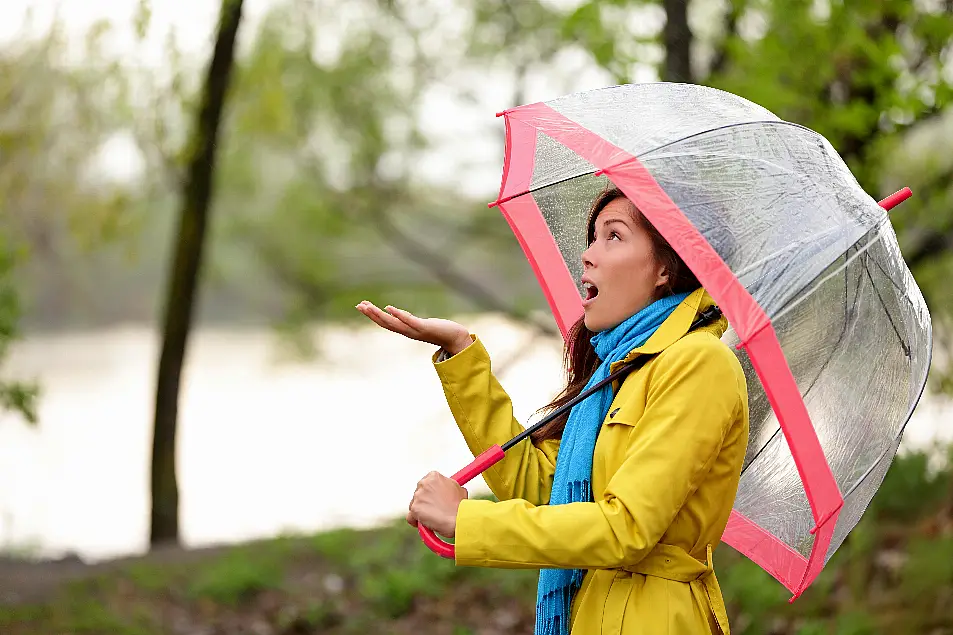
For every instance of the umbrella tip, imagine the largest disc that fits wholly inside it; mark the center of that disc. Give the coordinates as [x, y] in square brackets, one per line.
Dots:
[896, 198]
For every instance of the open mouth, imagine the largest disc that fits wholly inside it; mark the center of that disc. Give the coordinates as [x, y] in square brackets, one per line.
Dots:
[591, 290]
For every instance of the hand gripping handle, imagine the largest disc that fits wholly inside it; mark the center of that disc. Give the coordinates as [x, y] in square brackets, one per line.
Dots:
[464, 476]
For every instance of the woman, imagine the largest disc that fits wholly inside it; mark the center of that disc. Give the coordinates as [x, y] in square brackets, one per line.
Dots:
[621, 501]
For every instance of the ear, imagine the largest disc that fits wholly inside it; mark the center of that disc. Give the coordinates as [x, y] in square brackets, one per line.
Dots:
[661, 278]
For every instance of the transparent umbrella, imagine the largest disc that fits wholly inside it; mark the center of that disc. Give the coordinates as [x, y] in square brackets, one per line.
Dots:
[827, 321]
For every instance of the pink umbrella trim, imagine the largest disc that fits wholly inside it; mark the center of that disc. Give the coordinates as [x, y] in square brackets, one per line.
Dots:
[750, 322]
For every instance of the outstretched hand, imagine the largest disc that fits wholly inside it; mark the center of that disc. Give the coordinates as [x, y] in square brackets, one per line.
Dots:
[446, 334]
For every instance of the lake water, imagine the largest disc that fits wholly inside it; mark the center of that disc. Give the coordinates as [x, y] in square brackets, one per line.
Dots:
[267, 444]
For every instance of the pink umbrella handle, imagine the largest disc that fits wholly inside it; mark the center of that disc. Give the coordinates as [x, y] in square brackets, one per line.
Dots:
[478, 466]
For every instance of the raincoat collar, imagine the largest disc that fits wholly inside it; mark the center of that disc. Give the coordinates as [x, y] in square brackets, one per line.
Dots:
[677, 325]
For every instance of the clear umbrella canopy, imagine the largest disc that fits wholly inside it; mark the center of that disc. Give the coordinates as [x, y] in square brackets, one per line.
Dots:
[828, 323]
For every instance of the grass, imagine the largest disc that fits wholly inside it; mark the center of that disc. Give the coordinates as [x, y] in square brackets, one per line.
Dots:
[893, 575]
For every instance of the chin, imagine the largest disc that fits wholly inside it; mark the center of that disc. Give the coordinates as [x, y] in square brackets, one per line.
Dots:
[594, 325]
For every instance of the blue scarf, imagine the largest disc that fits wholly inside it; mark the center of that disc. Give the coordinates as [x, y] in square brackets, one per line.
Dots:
[572, 481]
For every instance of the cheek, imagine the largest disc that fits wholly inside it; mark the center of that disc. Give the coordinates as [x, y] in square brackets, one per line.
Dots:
[639, 268]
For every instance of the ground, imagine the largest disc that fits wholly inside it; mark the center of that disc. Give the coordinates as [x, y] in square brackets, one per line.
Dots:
[893, 575]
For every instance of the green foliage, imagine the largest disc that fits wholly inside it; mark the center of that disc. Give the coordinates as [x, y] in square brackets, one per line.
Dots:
[313, 617]
[873, 77]
[95, 619]
[14, 395]
[56, 119]
[911, 487]
[393, 583]
[893, 575]
[74, 612]
[319, 204]
[238, 576]
[319, 198]
[321, 185]
[392, 570]
[930, 564]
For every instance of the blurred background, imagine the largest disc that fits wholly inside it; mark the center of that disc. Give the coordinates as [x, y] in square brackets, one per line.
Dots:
[264, 165]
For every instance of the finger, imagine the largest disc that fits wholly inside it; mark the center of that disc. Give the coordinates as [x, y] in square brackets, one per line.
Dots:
[388, 321]
[371, 310]
[366, 308]
[363, 306]
[392, 322]
[406, 317]
[409, 320]
[375, 317]
[411, 519]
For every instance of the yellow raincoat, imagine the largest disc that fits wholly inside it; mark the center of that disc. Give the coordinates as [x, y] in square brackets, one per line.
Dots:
[665, 473]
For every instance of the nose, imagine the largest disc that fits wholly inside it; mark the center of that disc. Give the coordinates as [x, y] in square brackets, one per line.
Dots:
[587, 257]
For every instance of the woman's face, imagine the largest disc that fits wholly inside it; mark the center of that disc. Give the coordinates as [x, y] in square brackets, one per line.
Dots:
[619, 268]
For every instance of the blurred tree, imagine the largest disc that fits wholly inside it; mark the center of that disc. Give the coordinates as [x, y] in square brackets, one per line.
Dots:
[54, 119]
[197, 189]
[326, 147]
[15, 396]
[866, 75]
[336, 115]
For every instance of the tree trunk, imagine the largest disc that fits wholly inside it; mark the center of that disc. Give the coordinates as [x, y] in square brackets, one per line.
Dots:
[677, 40]
[184, 275]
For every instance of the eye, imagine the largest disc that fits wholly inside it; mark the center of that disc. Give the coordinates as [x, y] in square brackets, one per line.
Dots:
[614, 234]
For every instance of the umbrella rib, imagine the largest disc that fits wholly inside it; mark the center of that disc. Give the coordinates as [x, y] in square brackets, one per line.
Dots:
[903, 344]
[537, 188]
[906, 350]
[783, 170]
[910, 410]
[739, 124]
[893, 283]
[840, 338]
[870, 469]
[896, 286]
[860, 251]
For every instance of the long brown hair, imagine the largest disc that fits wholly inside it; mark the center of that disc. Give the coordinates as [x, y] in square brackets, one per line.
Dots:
[579, 355]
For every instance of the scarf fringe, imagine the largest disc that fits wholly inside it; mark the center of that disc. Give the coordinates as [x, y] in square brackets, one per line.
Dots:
[557, 587]
[554, 609]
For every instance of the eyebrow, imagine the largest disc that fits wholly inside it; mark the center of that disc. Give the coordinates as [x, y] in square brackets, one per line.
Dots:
[615, 220]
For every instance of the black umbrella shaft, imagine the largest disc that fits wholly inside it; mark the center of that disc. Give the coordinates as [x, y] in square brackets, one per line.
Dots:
[712, 313]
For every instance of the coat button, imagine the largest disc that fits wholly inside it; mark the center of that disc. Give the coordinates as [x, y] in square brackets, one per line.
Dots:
[612, 414]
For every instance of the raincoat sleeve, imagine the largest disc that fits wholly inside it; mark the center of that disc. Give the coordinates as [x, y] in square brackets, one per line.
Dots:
[692, 399]
[484, 413]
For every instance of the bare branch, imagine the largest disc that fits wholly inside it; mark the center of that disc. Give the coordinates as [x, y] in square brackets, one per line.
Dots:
[442, 269]
[438, 265]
